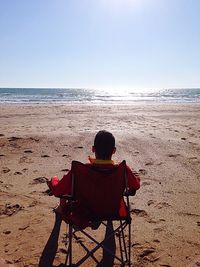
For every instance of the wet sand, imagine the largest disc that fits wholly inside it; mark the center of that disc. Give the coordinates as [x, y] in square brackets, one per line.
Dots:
[162, 143]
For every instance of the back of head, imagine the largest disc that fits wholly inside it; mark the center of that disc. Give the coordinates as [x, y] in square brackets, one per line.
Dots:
[104, 144]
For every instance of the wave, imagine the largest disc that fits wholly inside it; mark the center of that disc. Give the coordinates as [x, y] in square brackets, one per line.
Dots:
[61, 95]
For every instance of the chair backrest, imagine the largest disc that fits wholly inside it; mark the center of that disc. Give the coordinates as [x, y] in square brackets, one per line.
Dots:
[99, 190]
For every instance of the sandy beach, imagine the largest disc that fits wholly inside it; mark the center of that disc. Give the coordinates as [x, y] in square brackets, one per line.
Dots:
[161, 142]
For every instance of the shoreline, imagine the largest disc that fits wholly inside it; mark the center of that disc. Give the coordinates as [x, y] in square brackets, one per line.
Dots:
[103, 103]
[161, 142]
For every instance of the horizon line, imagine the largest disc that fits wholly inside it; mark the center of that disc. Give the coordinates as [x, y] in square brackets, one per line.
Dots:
[85, 88]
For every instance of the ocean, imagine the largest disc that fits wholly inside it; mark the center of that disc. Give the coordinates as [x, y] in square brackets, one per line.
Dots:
[61, 96]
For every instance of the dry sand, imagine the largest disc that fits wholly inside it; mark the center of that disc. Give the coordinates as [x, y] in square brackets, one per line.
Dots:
[162, 143]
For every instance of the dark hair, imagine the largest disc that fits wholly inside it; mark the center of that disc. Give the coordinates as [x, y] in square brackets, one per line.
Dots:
[104, 143]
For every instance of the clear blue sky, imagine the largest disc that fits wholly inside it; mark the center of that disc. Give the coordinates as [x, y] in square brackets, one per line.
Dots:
[131, 44]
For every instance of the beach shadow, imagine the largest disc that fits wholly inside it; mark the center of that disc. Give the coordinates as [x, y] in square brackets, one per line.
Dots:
[50, 249]
[108, 259]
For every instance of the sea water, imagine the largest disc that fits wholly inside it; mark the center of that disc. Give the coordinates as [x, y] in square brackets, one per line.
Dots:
[62, 95]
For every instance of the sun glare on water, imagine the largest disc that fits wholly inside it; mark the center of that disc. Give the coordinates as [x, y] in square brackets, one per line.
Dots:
[127, 91]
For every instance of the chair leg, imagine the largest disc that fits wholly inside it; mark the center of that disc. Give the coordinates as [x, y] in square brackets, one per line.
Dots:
[69, 251]
[125, 245]
[129, 244]
[120, 245]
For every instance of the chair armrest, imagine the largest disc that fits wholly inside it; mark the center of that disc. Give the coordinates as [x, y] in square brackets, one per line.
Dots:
[128, 193]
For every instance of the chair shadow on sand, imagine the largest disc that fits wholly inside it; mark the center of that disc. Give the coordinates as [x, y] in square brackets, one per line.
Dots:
[50, 249]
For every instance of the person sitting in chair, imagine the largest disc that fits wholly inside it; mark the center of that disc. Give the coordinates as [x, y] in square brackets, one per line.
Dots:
[103, 148]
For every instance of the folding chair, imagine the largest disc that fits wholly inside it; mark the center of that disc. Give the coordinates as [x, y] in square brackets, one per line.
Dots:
[98, 196]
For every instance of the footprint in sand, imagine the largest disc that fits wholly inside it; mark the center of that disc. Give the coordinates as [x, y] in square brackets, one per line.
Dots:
[28, 151]
[2, 155]
[146, 252]
[64, 155]
[6, 263]
[5, 170]
[158, 229]
[145, 183]
[188, 214]
[149, 163]
[156, 241]
[173, 155]
[152, 221]
[192, 158]
[79, 147]
[195, 262]
[6, 232]
[34, 203]
[137, 244]
[14, 138]
[149, 254]
[169, 192]
[17, 173]
[34, 139]
[45, 156]
[163, 205]
[22, 159]
[9, 209]
[14, 145]
[23, 228]
[142, 171]
[25, 159]
[39, 180]
[62, 250]
[1, 135]
[64, 170]
[140, 213]
[6, 186]
[150, 202]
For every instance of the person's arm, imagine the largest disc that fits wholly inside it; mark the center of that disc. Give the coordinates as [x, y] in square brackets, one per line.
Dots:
[133, 181]
[60, 187]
